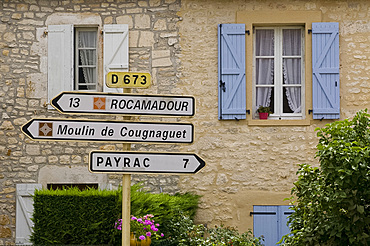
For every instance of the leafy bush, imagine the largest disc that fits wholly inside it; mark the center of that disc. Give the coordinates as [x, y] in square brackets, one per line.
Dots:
[162, 206]
[333, 202]
[185, 233]
[199, 235]
[167, 209]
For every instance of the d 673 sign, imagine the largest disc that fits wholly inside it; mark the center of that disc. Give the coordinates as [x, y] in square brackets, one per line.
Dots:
[128, 80]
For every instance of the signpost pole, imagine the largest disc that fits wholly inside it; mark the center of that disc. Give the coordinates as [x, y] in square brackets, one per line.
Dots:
[126, 206]
[126, 197]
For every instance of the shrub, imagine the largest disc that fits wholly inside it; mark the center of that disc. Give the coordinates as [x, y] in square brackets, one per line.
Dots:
[332, 202]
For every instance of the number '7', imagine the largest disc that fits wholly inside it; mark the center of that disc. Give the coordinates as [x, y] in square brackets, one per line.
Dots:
[186, 161]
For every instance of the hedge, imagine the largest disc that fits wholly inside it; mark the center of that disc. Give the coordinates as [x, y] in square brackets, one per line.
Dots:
[71, 216]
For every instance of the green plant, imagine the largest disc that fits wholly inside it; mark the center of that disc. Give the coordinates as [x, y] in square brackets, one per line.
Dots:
[178, 227]
[199, 235]
[262, 109]
[142, 227]
[332, 201]
[163, 206]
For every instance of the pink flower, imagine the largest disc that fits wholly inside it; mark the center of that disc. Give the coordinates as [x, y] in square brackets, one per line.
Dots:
[133, 218]
[142, 237]
[153, 228]
[162, 235]
[148, 234]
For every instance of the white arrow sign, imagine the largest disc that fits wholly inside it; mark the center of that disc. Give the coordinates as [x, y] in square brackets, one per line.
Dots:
[130, 104]
[108, 131]
[144, 162]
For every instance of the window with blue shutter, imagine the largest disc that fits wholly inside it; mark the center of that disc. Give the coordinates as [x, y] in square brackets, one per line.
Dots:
[231, 72]
[325, 69]
[271, 223]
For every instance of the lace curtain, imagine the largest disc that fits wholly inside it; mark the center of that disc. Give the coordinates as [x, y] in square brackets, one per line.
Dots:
[264, 66]
[87, 55]
[292, 67]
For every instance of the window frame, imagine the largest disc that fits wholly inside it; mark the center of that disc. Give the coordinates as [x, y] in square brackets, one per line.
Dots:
[271, 18]
[76, 66]
[278, 85]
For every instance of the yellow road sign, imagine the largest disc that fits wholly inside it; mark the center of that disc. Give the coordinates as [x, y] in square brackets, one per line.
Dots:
[128, 80]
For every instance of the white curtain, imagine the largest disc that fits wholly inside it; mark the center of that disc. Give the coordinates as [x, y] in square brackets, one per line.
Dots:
[87, 41]
[292, 67]
[264, 66]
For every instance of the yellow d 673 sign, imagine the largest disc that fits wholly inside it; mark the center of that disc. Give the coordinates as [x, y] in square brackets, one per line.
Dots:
[128, 80]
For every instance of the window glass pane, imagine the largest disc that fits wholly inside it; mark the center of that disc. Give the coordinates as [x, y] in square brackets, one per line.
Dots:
[87, 57]
[264, 71]
[264, 42]
[291, 71]
[86, 39]
[291, 42]
[87, 79]
[265, 97]
[292, 100]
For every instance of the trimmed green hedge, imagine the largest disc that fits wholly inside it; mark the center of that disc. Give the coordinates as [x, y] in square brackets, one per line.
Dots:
[71, 216]
[74, 217]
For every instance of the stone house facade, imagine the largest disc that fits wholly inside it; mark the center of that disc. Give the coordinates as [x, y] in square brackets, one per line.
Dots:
[251, 163]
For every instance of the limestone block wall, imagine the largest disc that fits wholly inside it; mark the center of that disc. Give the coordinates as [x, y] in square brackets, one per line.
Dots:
[175, 41]
[256, 165]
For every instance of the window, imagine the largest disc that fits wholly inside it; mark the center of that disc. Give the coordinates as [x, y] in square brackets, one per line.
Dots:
[75, 61]
[72, 185]
[278, 70]
[287, 60]
[270, 222]
[86, 60]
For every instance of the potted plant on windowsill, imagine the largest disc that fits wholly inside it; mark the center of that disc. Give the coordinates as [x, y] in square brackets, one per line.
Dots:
[263, 112]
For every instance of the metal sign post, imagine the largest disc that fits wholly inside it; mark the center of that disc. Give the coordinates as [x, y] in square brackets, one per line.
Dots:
[126, 196]
[126, 132]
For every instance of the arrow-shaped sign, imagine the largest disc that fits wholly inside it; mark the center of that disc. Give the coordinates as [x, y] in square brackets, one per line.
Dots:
[144, 162]
[108, 131]
[130, 104]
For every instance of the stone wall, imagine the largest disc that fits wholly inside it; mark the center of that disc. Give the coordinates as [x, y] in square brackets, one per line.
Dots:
[177, 43]
[153, 47]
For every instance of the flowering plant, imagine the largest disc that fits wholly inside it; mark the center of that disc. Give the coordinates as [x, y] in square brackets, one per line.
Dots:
[145, 227]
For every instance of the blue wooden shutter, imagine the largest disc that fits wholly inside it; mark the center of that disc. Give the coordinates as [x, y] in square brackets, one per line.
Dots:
[231, 72]
[325, 69]
[283, 213]
[271, 223]
[265, 223]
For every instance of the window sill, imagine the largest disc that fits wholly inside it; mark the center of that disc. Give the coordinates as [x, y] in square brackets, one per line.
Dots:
[257, 122]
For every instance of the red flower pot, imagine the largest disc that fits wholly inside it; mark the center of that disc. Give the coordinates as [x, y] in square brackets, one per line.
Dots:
[263, 116]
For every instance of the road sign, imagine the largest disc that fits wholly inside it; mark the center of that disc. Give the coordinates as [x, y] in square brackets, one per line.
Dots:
[128, 80]
[108, 131]
[131, 104]
[144, 162]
